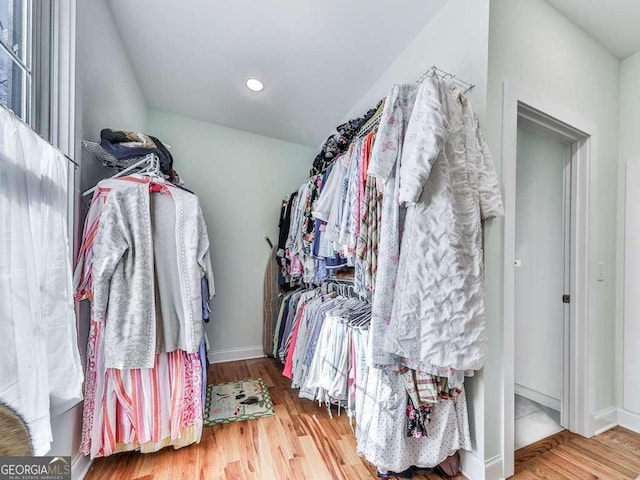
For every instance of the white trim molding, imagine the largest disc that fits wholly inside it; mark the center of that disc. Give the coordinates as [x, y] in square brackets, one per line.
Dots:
[471, 466]
[538, 397]
[80, 466]
[233, 354]
[604, 420]
[474, 468]
[629, 420]
[493, 468]
[522, 104]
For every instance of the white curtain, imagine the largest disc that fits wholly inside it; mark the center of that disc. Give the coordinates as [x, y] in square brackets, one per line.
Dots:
[40, 369]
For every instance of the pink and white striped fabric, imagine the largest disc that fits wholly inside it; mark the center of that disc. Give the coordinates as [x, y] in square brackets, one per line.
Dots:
[133, 409]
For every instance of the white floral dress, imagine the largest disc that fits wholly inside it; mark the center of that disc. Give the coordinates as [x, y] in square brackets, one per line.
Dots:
[384, 163]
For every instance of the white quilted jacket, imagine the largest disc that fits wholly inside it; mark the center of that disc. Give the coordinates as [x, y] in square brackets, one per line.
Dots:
[449, 185]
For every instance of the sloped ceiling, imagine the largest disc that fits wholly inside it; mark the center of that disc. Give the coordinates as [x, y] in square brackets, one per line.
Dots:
[316, 59]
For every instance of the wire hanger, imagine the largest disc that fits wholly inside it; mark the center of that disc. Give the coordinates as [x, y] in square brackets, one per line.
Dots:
[150, 162]
[436, 72]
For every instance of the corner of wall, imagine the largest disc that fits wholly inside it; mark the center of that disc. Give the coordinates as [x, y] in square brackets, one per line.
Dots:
[628, 420]
[127, 54]
[473, 468]
[109, 92]
[604, 420]
[235, 354]
[628, 151]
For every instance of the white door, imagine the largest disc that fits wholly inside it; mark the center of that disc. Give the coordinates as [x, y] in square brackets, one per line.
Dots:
[541, 279]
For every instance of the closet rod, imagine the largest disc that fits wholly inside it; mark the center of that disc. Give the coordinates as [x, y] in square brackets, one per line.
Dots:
[75, 164]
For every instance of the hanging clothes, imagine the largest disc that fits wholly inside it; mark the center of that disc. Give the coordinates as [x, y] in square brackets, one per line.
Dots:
[284, 226]
[145, 408]
[339, 142]
[366, 265]
[449, 185]
[403, 203]
[333, 222]
[125, 274]
[383, 440]
[140, 409]
[325, 351]
[384, 166]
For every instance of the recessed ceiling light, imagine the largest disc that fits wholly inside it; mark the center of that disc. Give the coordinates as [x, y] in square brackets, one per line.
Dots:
[255, 85]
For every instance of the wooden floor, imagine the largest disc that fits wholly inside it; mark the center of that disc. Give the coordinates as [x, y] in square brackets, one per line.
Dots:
[302, 442]
[612, 455]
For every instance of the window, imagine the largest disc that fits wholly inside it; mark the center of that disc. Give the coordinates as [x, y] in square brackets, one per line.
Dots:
[15, 57]
[29, 32]
[37, 71]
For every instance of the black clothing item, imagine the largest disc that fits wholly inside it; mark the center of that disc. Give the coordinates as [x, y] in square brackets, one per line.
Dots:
[339, 142]
[125, 145]
[284, 226]
[285, 221]
[115, 136]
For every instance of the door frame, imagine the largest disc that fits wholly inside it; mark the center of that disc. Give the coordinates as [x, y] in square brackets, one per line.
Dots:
[529, 120]
[521, 103]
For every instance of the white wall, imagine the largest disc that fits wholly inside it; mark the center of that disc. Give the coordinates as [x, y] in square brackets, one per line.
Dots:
[108, 95]
[531, 43]
[539, 280]
[631, 397]
[456, 40]
[240, 178]
[629, 152]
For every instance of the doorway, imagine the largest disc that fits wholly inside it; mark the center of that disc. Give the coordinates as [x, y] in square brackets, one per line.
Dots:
[542, 282]
[550, 127]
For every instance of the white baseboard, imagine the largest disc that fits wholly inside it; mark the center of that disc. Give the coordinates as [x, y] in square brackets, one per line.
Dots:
[233, 354]
[538, 397]
[493, 468]
[474, 468]
[629, 420]
[471, 466]
[604, 420]
[80, 465]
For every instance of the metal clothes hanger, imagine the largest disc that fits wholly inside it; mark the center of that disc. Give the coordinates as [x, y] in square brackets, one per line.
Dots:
[436, 72]
[145, 161]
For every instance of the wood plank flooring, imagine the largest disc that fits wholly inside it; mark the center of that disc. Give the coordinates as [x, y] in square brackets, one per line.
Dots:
[612, 455]
[302, 442]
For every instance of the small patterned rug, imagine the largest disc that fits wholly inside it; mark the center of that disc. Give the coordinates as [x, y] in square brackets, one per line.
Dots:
[237, 401]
